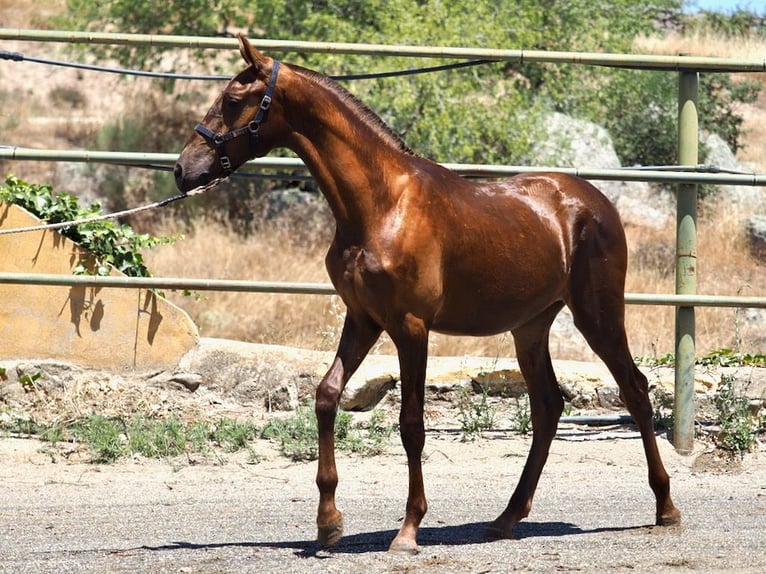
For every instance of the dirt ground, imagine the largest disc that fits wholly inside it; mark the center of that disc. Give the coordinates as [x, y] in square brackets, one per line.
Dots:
[593, 510]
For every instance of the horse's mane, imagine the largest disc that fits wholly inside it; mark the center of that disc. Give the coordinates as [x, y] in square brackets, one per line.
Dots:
[361, 110]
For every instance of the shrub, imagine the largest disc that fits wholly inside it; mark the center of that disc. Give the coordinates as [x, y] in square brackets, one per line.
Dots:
[738, 427]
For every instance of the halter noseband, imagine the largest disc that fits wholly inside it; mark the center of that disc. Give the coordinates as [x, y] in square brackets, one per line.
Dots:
[252, 128]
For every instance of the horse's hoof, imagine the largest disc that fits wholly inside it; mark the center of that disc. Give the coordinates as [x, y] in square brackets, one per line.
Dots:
[329, 534]
[496, 531]
[404, 548]
[671, 519]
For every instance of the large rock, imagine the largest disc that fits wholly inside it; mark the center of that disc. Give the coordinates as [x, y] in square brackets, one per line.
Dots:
[755, 229]
[113, 328]
[719, 154]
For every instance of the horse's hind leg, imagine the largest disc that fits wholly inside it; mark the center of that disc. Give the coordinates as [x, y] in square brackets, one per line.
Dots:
[598, 308]
[546, 405]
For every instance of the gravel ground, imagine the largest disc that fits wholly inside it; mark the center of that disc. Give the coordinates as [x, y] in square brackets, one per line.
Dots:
[593, 511]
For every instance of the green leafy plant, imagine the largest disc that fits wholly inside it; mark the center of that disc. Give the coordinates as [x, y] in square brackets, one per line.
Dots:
[111, 245]
[109, 439]
[522, 416]
[28, 381]
[723, 357]
[475, 414]
[156, 438]
[297, 435]
[662, 407]
[738, 427]
[365, 439]
[726, 357]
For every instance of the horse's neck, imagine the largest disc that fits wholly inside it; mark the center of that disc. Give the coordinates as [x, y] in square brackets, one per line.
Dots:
[351, 161]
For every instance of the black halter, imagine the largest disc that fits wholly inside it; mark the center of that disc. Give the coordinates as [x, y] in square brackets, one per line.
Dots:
[219, 140]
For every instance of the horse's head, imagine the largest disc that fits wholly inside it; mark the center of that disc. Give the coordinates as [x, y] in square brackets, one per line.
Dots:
[241, 124]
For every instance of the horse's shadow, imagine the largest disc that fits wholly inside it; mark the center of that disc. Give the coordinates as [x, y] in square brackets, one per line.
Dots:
[378, 541]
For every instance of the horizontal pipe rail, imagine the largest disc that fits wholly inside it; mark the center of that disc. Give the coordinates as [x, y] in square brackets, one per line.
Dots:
[171, 283]
[636, 61]
[710, 175]
[190, 284]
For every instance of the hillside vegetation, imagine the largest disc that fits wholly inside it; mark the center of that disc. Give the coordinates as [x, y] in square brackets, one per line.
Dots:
[482, 114]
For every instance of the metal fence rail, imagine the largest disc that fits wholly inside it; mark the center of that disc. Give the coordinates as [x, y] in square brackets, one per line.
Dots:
[635, 61]
[703, 174]
[307, 288]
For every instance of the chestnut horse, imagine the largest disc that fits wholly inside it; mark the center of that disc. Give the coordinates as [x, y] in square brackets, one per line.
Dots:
[419, 248]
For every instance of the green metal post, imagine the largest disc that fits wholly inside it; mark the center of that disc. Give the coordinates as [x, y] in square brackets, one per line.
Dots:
[686, 265]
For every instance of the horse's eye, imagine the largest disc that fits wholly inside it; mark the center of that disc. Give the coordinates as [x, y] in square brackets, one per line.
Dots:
[230, 104]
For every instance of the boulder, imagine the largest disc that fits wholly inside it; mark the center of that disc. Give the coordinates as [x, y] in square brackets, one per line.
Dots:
[113, 328]
[755, 229]
[719, 154]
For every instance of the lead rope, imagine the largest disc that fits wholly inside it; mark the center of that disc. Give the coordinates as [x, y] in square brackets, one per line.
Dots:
[162, 203]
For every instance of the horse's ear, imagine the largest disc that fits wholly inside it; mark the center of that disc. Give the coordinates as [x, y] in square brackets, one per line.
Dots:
[251, 55]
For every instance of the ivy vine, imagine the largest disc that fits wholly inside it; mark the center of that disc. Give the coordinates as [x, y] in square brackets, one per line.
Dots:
[110, 245]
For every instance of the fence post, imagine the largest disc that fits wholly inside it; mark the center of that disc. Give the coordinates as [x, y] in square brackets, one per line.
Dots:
[686, 264]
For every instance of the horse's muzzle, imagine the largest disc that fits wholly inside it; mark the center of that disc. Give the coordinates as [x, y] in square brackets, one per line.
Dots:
[186, 180]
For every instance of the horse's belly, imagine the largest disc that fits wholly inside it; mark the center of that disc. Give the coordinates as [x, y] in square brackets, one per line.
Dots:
[486, 309]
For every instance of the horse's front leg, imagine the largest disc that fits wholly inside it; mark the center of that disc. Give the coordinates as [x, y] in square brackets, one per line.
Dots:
[358, 336]
[412, 345]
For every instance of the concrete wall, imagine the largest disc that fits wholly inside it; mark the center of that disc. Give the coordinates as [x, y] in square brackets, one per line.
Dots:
[113, 328]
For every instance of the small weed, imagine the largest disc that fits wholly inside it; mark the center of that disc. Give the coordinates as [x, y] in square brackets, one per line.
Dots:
[156, 438]
[367, 440]
[720, 358]
[297, 435]
[476, 415]
[17, 425]
[522, 418]
[662, 404]
[739, 428]
[233, 435]
[731, 358]
[198, 437]
[28, 381]
[105, 438]
[108, 439]
[252, 456]
[52, 434]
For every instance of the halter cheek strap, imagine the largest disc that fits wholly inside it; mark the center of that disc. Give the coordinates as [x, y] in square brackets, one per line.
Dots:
[252, 128]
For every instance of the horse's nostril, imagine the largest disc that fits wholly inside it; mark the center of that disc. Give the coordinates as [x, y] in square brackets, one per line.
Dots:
[178, 172]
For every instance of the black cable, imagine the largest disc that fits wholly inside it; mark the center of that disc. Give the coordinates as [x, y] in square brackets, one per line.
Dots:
[19, 57]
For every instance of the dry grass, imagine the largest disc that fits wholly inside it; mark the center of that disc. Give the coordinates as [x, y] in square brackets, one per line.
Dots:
[29, 13]
[725, 268]
[701, 43]
[210, 250]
